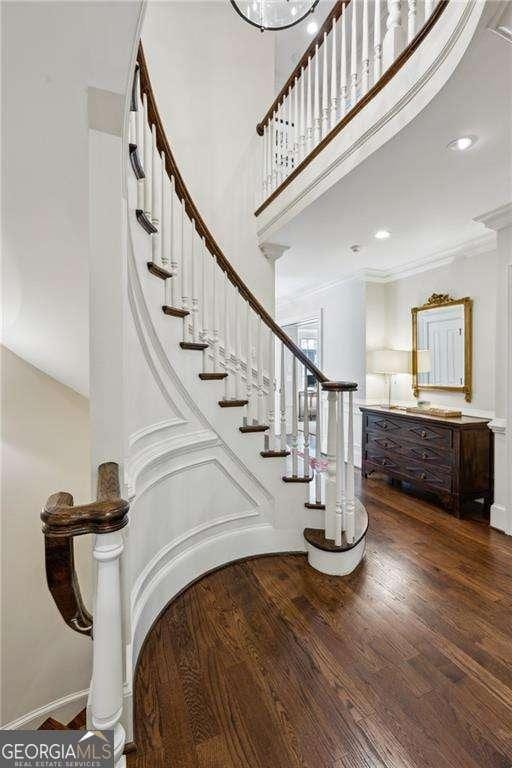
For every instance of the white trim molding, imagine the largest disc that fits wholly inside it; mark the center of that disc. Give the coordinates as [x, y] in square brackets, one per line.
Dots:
[497, 219]
[500, 517]
[273, 251]
[64, 709]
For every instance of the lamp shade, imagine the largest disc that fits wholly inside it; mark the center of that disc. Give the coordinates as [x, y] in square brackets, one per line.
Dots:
[389, 361]
[423, 364]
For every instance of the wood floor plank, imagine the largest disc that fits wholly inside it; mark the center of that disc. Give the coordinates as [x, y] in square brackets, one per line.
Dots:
[406, 663]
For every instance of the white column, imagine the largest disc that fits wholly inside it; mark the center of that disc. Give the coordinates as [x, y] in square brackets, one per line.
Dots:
[394, 37]
[307, 471]
[330, 481]
[350, 499]
[107, 675]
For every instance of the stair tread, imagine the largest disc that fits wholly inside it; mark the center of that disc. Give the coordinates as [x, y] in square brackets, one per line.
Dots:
[314, 505]
[78, 723]
[316, 537]
[174, 311]
[298, 479]
[193, 345]
[232, 403]
[253, 428]
[145, 222]
[274, 454]
[158, 271]
[50, 724]
[212, 376]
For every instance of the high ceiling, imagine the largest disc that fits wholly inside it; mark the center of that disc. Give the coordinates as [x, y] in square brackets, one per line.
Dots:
[423, 193]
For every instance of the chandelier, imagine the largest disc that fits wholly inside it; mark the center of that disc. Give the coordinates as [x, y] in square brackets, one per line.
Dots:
[274, 14]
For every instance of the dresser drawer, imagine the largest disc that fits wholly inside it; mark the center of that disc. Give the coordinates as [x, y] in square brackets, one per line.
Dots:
[419, 452]
[439, 477]
[411, 430]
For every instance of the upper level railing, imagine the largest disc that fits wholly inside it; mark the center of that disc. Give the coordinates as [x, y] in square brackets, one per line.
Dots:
[105, 518]
[344, 68]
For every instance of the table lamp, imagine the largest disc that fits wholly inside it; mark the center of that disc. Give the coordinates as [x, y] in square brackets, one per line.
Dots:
[389, 362]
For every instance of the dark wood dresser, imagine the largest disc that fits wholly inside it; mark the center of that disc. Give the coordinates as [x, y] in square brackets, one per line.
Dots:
[452, 458]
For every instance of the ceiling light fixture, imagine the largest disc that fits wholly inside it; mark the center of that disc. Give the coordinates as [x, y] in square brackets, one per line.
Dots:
[461, 144]
[275, 14]
[382, 234]
[312, 28]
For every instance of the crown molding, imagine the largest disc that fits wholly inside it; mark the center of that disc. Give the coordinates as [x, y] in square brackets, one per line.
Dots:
[476, 246]
[497, 219]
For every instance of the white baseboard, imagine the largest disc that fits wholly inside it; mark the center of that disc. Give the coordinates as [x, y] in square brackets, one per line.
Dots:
[63, 709]
[499, 518]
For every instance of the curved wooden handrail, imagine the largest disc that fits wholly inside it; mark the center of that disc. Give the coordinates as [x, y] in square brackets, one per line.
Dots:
[334, 14]
[61, 523]
[201, 228]
[374, 90]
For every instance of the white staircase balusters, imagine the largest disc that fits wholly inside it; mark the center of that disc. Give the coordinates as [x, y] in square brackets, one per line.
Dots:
[261, 394]
[107, 676]
[340, 470]
[393, 39]
[377, 43]
[204, 301]
[264, 146]
[365, 69]
[279, 144]
[334, 81]
[309, 112]
[174, 247]
[296, 128]
[317, 128]
[184, 273]
[302, 138]
[429, 7]
[271, 442]
[411, 20]
[226, 334]
[238, 343]
[318, 445]
[248, 368]
[330, 481]
[291, 134]
[194, 263]
[282, 400]
[156, 186]
[275, 138]
[147, 162]
[215, 315]
[354, 78]
[325, 90]
[350, 496]
[139, 141]
[305, 425]
[166, 218]
[343, 67]
[295, 421]
[269, 157]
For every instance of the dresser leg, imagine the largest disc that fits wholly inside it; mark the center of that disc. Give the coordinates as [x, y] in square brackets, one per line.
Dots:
[457, 506]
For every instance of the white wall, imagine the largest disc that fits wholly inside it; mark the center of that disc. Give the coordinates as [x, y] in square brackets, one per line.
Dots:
[474, 277]
[213, 77]
[45, 448]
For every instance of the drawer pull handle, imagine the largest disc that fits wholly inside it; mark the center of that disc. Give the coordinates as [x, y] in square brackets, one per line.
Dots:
[384, 426]
[423, 434]
[423, 476]
[424, 455]
[383, 462]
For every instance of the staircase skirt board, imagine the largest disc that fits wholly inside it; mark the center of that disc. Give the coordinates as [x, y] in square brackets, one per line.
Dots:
[145, 222]
[232, 403]
[314, 505]
[157, 271]
[174, 311]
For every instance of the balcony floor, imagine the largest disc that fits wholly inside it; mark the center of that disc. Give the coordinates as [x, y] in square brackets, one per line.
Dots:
[404, 664]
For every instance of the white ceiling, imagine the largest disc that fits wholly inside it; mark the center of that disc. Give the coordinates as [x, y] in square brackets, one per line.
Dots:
[51, 53]
[423, 193]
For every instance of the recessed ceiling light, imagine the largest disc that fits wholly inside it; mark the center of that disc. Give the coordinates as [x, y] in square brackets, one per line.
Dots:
[293, 10]
[461, 144]
[382, 234]
[312, 28]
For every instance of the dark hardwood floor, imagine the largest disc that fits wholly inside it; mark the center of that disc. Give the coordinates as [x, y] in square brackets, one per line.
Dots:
[404, 664]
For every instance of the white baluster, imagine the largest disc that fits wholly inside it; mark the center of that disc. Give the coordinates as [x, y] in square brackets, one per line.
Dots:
[238, 320]
[365, 70]
[377, 43]
[275, 147]
[325, 90]
[264, 163]
[215, 316]
[393, 39]
[156, 176]
[295, 425]
[166, 220]
[147, 161]
[176, 248]
[429, 7]
[248, 365]
[354, 80]
[296, 132]
[261, 395]
[279, 144]
[289, 159]
[227, 348]
[204, 301]
[272, 436]
[411, 20]
[344, 64]
[107, 674]
[318, 445]
[282, 401]
[193, 280]
[306, 426]
[139, 140]
[302, 143]
[184, 274]
[317, 128]
[350, 497]
[334, 82]
[340, 470]
[330, 481]
[270, 157]
[309, 115]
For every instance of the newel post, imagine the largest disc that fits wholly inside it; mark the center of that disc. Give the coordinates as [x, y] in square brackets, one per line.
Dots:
[393, 42]
[107, 675]
[330, 481]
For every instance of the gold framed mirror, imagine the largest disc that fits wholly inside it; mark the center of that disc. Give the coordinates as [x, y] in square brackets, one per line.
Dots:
[442, 345]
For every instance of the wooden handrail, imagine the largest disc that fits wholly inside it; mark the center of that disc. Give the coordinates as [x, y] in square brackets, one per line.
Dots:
[334, 14]
[61, 523]
[374, 90]
[201, 228]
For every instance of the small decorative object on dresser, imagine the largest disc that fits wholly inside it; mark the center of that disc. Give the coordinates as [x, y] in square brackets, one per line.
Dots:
[450, 457]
